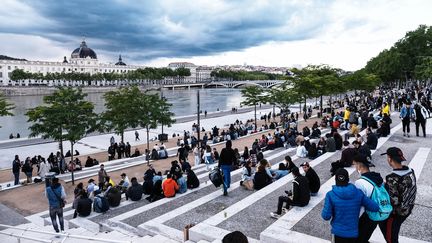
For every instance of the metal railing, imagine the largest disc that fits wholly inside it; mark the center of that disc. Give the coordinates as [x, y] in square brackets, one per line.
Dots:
[66, 235]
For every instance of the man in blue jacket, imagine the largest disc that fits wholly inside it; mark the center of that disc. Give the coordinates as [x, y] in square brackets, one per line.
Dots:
[342, 205]
[56, 196]
[406, 114]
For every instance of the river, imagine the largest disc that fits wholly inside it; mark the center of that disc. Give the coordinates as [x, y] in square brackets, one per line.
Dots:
[184, 102]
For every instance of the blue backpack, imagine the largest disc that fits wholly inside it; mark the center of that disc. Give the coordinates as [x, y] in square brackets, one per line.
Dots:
[382, 198]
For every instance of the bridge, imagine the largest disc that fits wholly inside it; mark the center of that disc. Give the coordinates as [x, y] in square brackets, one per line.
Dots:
[227, 84]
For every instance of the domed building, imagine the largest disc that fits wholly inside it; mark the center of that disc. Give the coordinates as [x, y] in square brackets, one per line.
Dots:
[120, 62]
[83, 52]
[82, 60]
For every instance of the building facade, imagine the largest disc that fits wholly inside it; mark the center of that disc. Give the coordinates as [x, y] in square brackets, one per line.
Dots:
[84, 60]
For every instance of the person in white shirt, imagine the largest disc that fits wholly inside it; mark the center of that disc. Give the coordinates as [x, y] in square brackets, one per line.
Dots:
[301, 150]
[366, 225]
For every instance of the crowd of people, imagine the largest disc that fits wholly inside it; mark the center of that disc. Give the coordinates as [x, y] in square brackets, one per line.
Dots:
[343, 204]
[38, 165]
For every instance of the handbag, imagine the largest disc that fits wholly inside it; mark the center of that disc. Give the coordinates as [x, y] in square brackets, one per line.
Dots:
[62, 202]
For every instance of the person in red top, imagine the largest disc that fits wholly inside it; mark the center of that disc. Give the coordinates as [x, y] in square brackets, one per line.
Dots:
[169, 186]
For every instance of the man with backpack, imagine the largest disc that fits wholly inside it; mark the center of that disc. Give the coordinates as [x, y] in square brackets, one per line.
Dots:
[372, 185]
[402, 187]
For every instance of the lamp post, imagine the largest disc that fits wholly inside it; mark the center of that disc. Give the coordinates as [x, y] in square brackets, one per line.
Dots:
[198, 115]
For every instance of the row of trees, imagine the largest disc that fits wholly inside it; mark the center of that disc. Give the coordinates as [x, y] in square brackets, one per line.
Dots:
[408, 58]
[244, 75]
[314, 81]
[67, 116]
[139, 74]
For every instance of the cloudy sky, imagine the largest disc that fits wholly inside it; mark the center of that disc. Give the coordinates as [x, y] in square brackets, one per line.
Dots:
[342, 33]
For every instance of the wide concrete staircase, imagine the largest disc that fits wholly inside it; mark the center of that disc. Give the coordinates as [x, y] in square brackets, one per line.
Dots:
[212, 214]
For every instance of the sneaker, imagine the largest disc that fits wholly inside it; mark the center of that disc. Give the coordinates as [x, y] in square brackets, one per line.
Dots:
[284, 210]
[63, 232]
[225, 193]
[275, 215]
[404, 134]
[408, 135]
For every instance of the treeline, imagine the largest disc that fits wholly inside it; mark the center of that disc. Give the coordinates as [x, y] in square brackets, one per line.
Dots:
[245, 75]
[410, 58]
[147, 73]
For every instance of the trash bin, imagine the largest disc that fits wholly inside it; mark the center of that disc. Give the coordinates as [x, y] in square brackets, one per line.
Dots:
[163, 137]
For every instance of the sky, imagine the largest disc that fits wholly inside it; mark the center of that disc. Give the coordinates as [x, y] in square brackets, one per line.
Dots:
[342, 33]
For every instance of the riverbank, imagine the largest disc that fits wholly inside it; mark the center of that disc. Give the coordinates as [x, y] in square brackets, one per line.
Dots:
[9, 91]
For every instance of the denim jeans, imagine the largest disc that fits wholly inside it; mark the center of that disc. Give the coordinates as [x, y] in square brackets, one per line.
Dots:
[16, 175]
[226, 170]
[54, 212]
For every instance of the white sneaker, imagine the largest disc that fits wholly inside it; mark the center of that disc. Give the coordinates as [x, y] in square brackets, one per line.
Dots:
[275, 215]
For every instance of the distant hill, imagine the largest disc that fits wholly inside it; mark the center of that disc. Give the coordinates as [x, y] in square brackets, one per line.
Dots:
[2, 57]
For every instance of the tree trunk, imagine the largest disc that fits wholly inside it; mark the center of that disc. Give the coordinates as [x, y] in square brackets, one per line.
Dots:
[122, 136]
[148, 140]
[73, 163]
[321, 106]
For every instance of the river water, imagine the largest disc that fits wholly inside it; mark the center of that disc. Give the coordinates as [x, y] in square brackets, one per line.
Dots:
[184, 102]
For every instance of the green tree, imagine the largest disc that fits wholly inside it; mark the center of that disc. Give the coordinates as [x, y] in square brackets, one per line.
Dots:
[154, 110]
[122, 110]
[65, 115]
[423, 70]
[253, 96]
[5, 107]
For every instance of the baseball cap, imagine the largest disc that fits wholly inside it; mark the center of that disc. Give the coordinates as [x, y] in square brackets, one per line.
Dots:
[341, 177]
[395, 153]
[359, 158]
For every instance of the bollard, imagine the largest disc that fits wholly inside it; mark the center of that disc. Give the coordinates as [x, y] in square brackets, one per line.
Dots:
[186, 231]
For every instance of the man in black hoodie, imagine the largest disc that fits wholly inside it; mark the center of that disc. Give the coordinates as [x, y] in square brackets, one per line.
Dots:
[135, 191]
[226, 161]
[84, 205]
[313, 178]
[366, 225]
[300, 194]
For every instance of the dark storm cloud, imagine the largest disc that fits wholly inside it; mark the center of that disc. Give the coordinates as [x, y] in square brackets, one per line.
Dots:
[152, 29]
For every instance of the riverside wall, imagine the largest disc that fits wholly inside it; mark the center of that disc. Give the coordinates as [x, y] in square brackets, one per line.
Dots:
[23, 91]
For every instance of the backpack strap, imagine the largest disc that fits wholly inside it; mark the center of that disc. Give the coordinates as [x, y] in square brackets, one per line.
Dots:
[369, 180]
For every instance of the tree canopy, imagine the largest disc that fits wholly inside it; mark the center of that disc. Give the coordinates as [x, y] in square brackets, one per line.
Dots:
[407, 59]
[245, 75]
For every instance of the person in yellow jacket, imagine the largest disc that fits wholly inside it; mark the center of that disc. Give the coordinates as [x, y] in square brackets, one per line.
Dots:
[385, 109]
[347, 113]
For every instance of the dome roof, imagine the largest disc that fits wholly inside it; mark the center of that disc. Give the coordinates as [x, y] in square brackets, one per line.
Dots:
[83, 52]
[120, 62]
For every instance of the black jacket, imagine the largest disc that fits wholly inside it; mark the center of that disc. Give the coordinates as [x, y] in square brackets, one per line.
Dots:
[114, 197]
[84, 207]
[372, 141]
[227, 157]
[301, 192]
[135, 191]
[261, 179]
[314, 180]
[192, 180]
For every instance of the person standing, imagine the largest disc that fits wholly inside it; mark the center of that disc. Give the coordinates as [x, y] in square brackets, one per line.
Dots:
[406, 114]
[367, 184]
[102, 174]
[137, 136]
[420, 118]
[226, 160]
[196, 153]
[56, 196]
[342, 205]
[299, 196]
[401, 185]
[16, 166]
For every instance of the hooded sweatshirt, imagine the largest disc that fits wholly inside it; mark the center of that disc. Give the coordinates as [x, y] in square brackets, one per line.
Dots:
[342, 206]
[169, 187]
